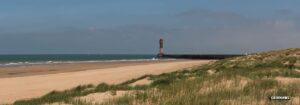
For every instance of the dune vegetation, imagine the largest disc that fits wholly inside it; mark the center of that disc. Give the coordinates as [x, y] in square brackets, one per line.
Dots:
[245, 80]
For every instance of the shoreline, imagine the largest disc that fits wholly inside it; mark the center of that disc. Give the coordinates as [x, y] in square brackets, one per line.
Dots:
[25, 87]
[44, 69]
[16, 64]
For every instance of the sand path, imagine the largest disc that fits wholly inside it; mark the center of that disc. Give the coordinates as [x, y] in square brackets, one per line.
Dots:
[17, 88]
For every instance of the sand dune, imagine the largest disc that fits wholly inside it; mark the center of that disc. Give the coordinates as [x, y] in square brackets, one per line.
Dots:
[16, 88]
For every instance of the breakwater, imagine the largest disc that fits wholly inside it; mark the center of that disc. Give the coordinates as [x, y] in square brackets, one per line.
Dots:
[195, 56]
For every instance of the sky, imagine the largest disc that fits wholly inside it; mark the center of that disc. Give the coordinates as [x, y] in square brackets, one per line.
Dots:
[135, 26]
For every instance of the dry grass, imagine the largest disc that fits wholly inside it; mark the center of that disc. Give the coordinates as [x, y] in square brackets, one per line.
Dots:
[287, 80]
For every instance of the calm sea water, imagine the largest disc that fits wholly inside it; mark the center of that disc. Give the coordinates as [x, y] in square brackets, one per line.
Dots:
[13, 60]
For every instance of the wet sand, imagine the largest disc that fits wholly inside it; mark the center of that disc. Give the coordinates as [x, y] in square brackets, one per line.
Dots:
[35, 81]
[29, 70]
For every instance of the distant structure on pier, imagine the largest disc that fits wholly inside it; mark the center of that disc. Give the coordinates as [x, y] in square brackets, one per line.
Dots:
[161, 48]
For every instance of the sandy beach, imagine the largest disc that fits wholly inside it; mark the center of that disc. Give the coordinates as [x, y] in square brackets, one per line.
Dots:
[33, 81]
[30, 70]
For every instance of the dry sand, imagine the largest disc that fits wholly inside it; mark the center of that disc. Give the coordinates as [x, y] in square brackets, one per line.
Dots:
[30, 86]
[97, 98]
[144, 81]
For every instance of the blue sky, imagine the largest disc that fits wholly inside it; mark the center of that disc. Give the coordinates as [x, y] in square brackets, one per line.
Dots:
[134, 26]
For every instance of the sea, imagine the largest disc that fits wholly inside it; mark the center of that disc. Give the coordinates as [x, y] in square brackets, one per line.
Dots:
[19, 60]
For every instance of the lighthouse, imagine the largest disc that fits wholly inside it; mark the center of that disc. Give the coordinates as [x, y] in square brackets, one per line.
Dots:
[161, 48]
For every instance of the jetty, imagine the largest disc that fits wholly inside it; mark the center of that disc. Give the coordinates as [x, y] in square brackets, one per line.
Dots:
[162, 55]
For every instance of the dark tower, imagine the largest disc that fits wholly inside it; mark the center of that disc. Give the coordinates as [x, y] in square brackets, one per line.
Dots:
[161, 46]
